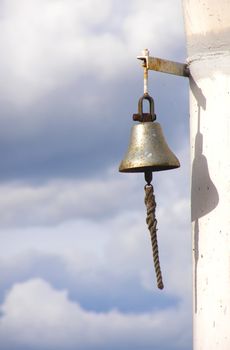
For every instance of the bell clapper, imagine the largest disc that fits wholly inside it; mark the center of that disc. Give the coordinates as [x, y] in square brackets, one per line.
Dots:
[152, 225]
[148, 177]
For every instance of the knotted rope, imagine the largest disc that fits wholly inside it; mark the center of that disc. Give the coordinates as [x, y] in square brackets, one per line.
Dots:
[152, 226]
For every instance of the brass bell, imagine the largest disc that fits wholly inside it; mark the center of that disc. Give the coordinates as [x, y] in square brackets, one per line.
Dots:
[148, 150]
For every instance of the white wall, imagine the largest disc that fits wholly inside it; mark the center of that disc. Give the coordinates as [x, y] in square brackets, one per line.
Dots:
[207, 25]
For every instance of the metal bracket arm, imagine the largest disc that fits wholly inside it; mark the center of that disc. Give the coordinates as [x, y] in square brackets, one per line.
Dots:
[165, 66]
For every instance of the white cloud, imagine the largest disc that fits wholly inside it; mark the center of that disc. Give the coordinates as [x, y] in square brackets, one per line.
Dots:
[102, 243]
[57, 201]
[36, 315]
[97, 227]
[23, 204]
[47, 44]
[117, 247]
[94, 227]
[154, 21]
[92, 253]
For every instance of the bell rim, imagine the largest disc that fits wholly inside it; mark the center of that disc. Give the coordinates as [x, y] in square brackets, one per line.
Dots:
[143, 169]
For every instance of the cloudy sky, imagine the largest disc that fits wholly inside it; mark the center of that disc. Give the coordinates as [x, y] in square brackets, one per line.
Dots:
[76, 267]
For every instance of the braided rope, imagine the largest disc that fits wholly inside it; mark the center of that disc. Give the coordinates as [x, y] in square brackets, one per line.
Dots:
[152, 226]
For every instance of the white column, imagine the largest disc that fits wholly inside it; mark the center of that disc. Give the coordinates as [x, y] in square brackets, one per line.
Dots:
[207, 25]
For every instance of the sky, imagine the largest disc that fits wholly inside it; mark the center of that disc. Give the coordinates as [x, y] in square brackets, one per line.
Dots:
[76, 268]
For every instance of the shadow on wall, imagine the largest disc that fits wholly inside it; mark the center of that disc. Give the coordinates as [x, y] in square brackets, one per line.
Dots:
[204, 195]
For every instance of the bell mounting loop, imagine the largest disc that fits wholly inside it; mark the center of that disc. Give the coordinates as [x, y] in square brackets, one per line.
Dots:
[147, 97]
[140, 116]
[145, 117]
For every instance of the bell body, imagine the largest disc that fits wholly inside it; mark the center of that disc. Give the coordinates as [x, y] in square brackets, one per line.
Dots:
[148, 150]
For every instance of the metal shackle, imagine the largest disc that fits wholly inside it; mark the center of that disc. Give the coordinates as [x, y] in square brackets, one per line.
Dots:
[151, 106]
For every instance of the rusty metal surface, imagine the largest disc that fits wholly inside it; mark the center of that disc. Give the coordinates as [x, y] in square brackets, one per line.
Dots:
[145, 117]
[165, 66]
